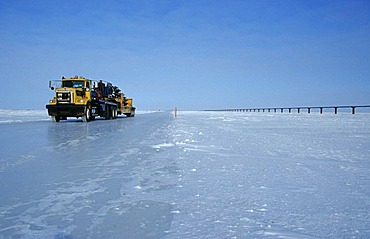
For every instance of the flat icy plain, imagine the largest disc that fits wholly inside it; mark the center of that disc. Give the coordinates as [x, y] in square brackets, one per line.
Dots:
[200, 175]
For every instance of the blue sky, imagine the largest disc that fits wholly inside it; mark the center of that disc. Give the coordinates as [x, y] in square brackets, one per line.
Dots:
[190, 54]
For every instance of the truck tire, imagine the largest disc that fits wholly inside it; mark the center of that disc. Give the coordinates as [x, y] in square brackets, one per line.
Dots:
[87, 116]
[131, 114]
[114, 113]
[108, 111]
[55, 118]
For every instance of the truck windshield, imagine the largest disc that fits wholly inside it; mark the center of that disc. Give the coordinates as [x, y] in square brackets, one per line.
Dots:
[73, 84]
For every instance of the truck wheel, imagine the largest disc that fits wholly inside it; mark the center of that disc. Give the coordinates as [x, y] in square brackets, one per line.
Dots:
[108, 112]
[131, 114]
[115, 114]
[55, 118]
[87, 116]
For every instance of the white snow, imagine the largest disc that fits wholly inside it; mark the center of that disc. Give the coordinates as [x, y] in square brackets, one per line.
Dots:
[200, 175]
[21, 116]
[163, 145]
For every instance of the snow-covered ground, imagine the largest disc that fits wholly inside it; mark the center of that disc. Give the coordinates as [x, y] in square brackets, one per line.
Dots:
[21, 116]
[200, 175]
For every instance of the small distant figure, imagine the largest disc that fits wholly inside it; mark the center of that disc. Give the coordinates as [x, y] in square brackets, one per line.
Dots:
[175, 112]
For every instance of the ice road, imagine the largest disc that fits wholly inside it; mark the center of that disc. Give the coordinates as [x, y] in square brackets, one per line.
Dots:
[200, 175]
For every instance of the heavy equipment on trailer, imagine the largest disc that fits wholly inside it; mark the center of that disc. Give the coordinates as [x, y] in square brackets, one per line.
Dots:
[81, 97]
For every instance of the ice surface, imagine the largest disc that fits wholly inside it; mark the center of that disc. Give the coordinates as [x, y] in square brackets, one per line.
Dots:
[200, 175]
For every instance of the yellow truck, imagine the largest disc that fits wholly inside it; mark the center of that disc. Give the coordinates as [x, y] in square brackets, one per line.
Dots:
[81, 97]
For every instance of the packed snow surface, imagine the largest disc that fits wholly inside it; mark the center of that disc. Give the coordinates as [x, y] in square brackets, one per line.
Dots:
[200, 175]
